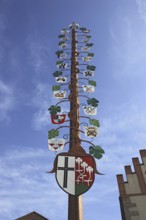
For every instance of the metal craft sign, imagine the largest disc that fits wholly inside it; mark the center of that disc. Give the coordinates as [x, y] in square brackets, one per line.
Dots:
[88, 88]
[85, 48]
[61, 79]
[88, 58]
[62, 65]
[75, 174]
[90, 131]
[64, 31]
[58, 118]
[90, 110]
[88, 73]
[63, 45]
[59, 94]
[56, 144]
[62, 55]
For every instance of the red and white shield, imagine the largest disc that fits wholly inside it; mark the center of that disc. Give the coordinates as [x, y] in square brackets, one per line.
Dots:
[75, 174]
[58, 118]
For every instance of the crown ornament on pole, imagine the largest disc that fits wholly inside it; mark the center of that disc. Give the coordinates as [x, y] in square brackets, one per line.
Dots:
[75, 169]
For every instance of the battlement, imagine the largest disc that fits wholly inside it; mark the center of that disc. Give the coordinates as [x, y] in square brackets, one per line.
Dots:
[136, 181]
[133, 191]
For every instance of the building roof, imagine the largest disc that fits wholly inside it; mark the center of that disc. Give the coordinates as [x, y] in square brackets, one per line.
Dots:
[32, 216]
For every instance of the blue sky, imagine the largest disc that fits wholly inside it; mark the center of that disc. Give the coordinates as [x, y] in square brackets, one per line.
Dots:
[28, 42]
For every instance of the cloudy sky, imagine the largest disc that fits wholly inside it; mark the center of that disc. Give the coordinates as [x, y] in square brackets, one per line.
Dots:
[28, 42]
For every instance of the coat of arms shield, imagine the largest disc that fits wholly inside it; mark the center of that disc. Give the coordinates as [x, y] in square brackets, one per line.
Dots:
[75, 174]
[59, 94]
[56, 144]
[61, 79]
[58, 118]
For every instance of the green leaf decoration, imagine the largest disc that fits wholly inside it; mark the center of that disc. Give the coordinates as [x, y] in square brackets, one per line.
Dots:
[88, 36]
[57, 73]
[61, 36]
[96, 151]
[59, 52]
[94, 122]
[53, 133]
[91, 150]
[83, 29]
[59, 62]
[92, 68]
[55, 88]
[54, 109]
[93, 102]
[92, 83]
[89, 45]
[91, 54]
[61, 42]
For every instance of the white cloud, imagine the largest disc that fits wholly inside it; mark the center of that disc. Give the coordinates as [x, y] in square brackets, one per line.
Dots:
[7, 100]
[41, 119]
[127, 48]
[142, 9]
[26, 186]
[39, 53]
[122, 134]
[41, 101]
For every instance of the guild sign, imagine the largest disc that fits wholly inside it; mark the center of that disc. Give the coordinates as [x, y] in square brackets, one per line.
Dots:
[88, 88]
[56, 144]
[62, 65]
[65, 38]
[59, 94]
[90, 110]
[88, 73]
[85, 48]
[86, 31]
[63, 46]
[64, 31]
[58, 118]
[61, 79]
[85, 40]
[75, 175]
[87, 59]
[62, 55]
[90, 131]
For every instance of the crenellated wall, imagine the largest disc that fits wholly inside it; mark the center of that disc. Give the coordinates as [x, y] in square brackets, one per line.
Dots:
[133, 191]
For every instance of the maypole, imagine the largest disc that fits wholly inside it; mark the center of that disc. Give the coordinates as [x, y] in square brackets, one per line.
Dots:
[74, 202]
[75, 169]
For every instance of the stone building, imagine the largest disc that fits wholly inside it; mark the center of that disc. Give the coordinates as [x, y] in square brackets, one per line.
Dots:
[133, 191]
[32, 216]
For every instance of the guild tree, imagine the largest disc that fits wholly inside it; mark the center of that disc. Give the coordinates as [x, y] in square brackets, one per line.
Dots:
[75, 169]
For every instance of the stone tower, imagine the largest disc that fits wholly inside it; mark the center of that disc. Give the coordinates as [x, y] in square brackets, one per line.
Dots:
[133, 191]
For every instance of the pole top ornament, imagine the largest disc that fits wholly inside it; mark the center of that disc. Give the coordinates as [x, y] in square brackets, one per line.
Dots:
[74, 25]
